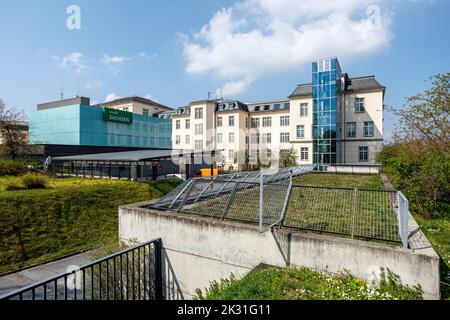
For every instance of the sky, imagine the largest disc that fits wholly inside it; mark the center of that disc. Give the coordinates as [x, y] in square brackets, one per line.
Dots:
[175, 52]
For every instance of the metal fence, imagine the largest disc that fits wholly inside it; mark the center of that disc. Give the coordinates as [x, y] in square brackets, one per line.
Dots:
[200, 189]
[132, 274]
[271, 199]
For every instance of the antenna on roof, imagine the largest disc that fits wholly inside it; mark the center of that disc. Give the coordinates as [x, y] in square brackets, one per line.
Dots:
[221, 94]
[61, 94]
[209, 95]
[78, 87]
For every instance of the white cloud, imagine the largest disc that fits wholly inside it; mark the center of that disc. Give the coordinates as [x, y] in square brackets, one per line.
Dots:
[112, 96]
[145, 55]
[259, 37]
[73, 61]
[233, 88]
[114, 63]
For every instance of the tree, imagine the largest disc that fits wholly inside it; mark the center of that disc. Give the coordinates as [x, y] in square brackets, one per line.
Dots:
[426, 115]
[418, 160]
[288, 158]
[11, 129]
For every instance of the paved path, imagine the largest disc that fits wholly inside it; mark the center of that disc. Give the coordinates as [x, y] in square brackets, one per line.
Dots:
[27, 277]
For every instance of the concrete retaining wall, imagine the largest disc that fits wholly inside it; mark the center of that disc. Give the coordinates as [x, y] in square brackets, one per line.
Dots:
[198, 250]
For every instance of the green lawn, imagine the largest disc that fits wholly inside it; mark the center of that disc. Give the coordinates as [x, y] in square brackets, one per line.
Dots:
[317, 209]
[305, 284]
[362, 181]
[70, 215]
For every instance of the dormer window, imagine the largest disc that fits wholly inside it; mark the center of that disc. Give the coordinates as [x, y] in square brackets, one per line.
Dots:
[257, 108]
[276, 106]
[266, 108]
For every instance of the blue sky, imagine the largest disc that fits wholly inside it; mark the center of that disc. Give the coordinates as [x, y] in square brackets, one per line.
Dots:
[178, 51]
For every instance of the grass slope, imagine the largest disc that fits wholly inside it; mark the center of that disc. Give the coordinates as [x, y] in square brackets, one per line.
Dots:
[72, 214]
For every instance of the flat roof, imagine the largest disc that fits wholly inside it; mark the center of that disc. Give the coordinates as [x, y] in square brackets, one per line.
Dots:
[129, 156]
[138, 155]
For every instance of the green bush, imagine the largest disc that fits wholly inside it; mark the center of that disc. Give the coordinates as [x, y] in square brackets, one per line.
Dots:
[34, 181]
[421, 174]
[13, 168]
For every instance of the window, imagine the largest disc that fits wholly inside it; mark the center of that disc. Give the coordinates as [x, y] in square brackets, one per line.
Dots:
[301, 132]
[138, 127]
[266, 108]
[254, 156]
[303, 110]
[267, 138]
[254, 138]
[284, 121]
[363, 154]
[125, 109]
[257, 108]
[359, 105]
[267, 122]
[286, 106]
[231, 154]
[255, 122]
[231, 121]
[219, 121]
[145, 127]
[351, 130]
[188, 124]
[276, 106]
[198, 113]
[177, 140]
[145, 112]
[246, 122]
[231, 137]
[136, 141]
[199, 129]
[198, 144]
[368, 129]
[284, 137]
[188, 139]
[178, 125]
[304, 154]
[219, 138]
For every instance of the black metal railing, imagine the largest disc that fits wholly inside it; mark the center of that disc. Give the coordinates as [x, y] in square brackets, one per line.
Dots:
[132, 274]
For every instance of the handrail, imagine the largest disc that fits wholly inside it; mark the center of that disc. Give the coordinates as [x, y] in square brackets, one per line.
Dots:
[31, 288]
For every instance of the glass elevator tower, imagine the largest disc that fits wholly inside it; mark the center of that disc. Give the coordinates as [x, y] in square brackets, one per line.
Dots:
[326, 91]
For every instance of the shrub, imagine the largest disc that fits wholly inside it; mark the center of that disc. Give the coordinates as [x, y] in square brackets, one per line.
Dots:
[13, 168]
[34, 181]
[421, 173]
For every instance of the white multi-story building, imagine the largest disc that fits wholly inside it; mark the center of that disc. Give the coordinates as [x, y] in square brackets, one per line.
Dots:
[334, 119]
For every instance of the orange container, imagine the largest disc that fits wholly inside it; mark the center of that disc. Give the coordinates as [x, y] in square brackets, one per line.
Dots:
[207, 172]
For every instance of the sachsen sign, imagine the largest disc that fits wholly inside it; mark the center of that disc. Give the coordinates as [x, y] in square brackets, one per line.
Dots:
[119, 116]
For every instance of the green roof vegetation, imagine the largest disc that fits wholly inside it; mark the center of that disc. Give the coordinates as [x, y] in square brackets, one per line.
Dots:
[267, 283]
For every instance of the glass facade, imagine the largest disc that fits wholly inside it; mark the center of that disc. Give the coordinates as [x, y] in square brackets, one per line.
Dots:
[84, 125]
[326, 76]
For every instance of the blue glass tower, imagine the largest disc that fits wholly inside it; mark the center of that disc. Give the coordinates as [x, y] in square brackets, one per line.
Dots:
[326, 75]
